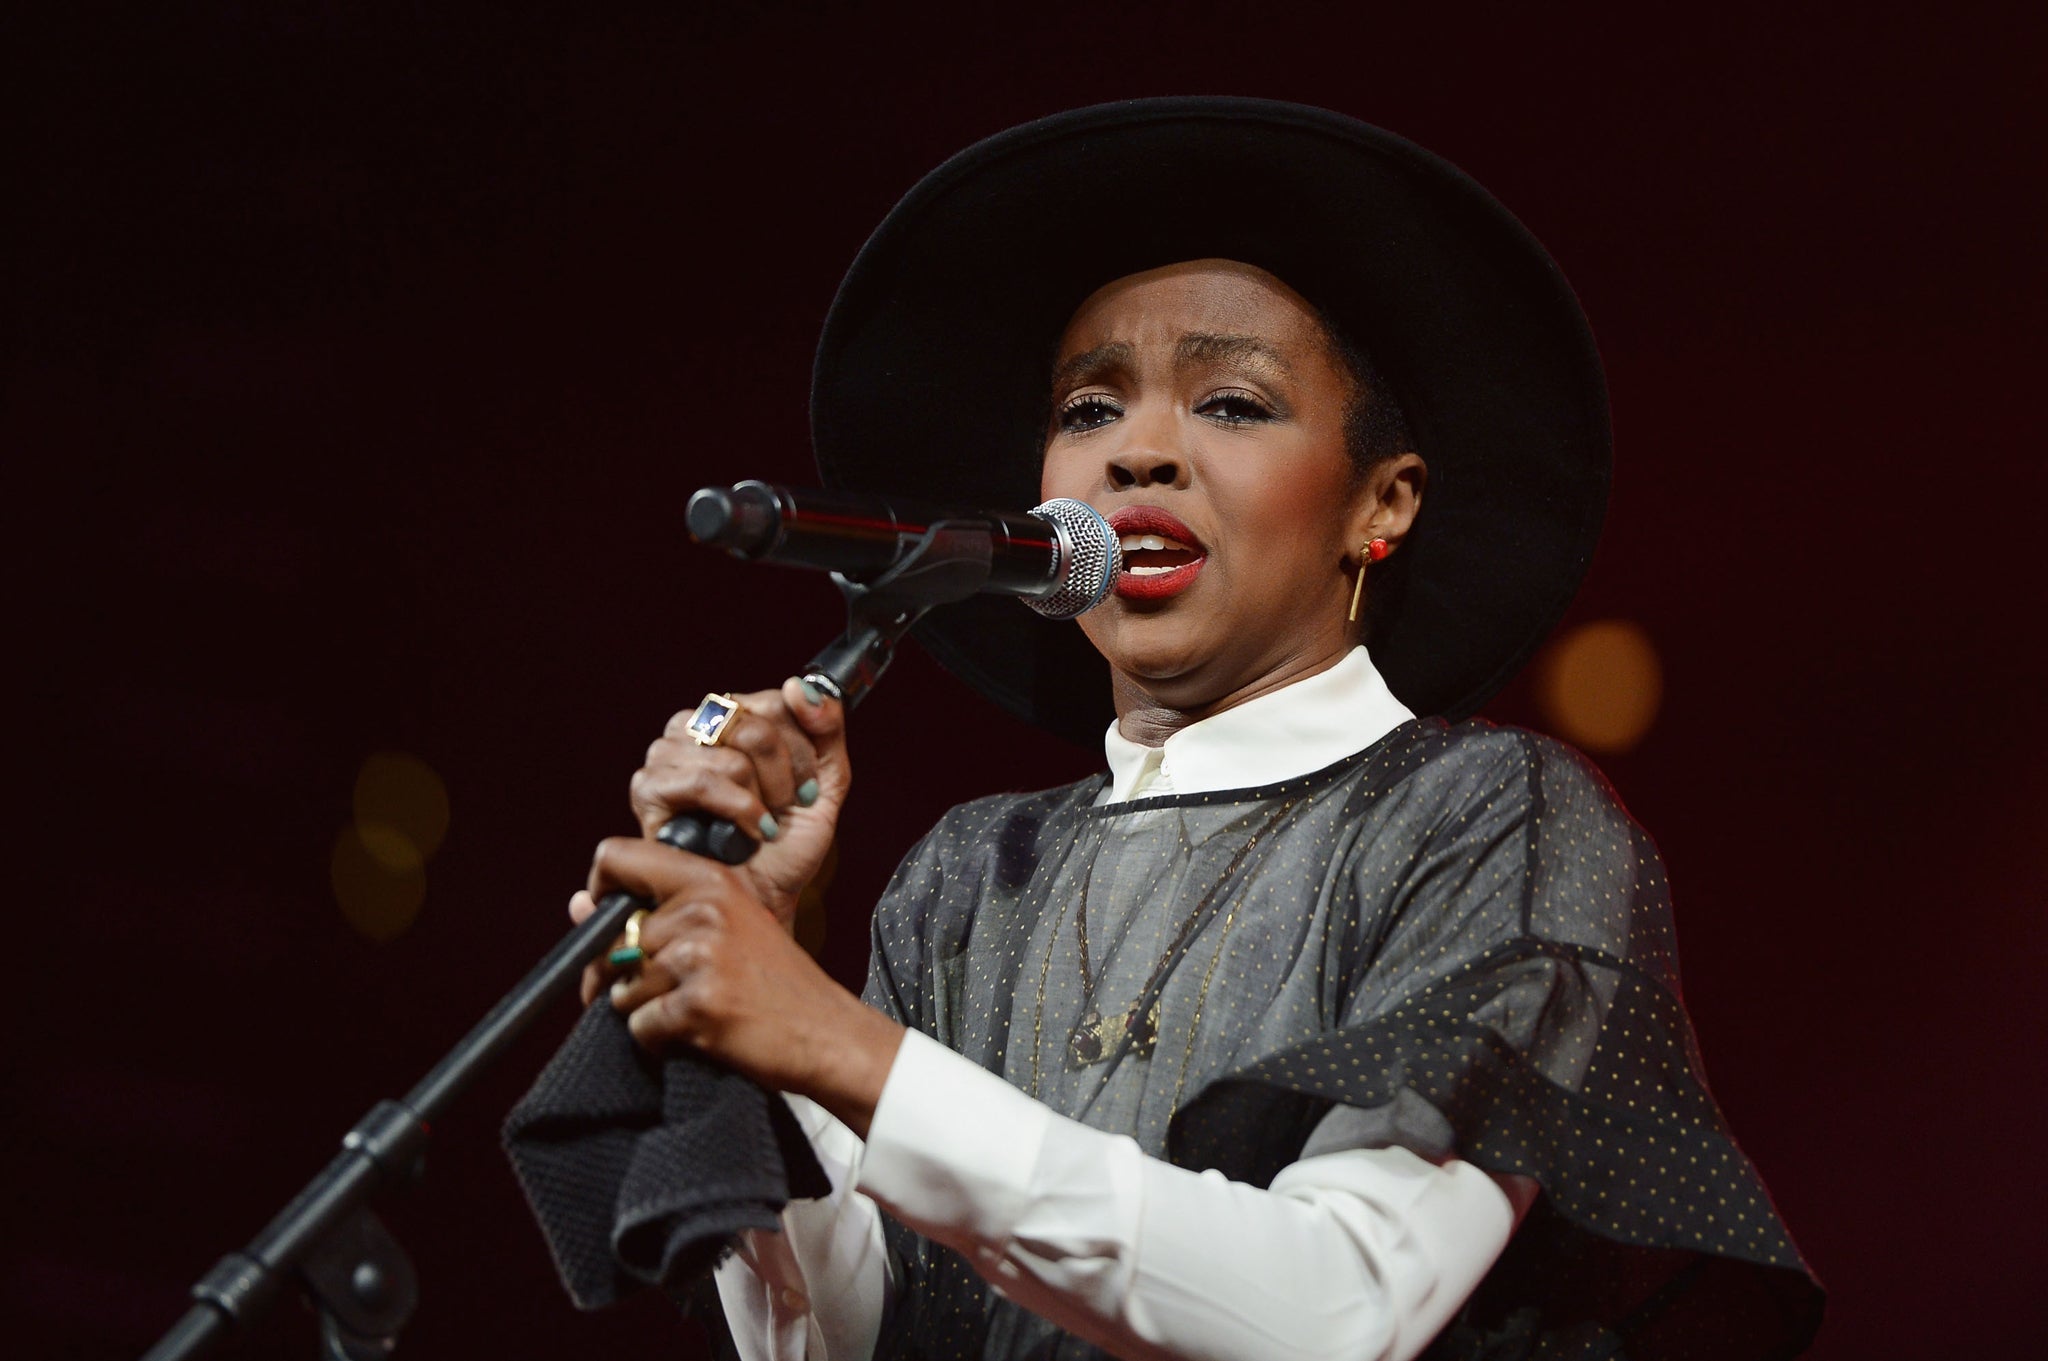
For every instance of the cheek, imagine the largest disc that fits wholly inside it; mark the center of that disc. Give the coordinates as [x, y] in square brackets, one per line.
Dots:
[1061, 474]
[1282, 507]
[1296, 516]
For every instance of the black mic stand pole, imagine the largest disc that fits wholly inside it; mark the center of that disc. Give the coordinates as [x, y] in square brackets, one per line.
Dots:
[357, 1275]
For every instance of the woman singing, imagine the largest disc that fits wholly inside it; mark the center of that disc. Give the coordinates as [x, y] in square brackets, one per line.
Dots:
[1326, 1021]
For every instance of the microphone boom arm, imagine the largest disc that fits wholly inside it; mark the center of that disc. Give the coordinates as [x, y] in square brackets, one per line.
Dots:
[327, 1236]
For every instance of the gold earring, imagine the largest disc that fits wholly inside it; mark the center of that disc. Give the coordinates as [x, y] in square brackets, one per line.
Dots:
[1370, 553]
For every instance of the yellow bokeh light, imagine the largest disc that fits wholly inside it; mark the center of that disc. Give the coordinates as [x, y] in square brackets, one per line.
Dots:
[390, 848]
[1600, 685]
[402, 793]
[379, 900]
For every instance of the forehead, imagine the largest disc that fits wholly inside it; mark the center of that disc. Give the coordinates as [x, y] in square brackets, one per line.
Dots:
[1217, 297]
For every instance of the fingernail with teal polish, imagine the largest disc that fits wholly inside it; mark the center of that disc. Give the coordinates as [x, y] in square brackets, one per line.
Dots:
[770, 829]
[807, 793]
[812, 692]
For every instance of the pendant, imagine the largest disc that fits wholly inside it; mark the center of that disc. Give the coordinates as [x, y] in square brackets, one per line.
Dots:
[1095, 1037]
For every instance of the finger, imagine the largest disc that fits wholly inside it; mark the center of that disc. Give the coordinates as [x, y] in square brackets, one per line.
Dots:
[648, 869]
[645, 983]
[780, 750]
[660, 1022]
[721, 783]
[600, 974]
[666, 753]
[753, 704]
[669, 753]
[823, 720]
[767, 732]
[581, 905]
[676, 939]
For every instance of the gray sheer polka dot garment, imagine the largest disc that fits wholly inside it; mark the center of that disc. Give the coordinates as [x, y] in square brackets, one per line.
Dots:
[1455, 941]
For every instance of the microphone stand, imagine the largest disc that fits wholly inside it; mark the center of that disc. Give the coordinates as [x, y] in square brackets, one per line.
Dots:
[356, 1274]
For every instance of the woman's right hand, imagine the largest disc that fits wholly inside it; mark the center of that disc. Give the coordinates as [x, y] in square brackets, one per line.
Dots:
[780, 774]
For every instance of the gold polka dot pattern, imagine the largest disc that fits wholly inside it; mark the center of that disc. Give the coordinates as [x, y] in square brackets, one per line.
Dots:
[1456, 941]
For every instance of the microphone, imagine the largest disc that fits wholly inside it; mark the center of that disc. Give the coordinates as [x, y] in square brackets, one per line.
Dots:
[1061, 559]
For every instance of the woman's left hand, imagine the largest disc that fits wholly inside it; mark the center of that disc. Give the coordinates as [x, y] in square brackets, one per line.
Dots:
[722, 976]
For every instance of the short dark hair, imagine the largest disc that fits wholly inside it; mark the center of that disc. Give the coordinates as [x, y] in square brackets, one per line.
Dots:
[1375, 430]
[1375, 426]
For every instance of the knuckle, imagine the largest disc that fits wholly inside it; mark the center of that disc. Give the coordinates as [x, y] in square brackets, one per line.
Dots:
[693, 783]
[681, 958]
[763, 735]
[680, 919]
[672, 1011]
[665, 790]
[735, 768]
[610, 852]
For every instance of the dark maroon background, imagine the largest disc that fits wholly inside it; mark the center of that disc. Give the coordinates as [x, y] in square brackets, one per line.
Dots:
[358, 365]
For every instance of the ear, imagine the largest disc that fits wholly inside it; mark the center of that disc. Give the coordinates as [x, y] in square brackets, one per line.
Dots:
[1387, 504]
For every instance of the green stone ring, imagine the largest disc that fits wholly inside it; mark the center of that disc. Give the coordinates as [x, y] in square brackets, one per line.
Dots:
[629, 953]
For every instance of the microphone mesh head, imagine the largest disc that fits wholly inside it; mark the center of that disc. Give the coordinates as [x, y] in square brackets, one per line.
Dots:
[1089, 559]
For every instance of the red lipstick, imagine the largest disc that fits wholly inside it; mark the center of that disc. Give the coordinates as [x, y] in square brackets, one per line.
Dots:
[1162, 556]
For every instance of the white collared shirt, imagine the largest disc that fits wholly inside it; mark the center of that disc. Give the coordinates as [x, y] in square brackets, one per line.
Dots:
[1292, 731]
[1363, 1252]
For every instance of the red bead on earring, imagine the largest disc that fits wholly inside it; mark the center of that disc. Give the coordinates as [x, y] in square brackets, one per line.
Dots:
[1372, 552]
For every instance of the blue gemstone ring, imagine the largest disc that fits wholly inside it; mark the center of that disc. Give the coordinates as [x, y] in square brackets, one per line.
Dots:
[713, 717]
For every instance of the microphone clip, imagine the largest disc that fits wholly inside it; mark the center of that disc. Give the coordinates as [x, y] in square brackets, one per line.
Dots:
[949, 562]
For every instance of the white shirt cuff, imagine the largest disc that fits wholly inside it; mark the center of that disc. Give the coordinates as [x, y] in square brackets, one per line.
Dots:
[1364, 1252]
[952, 1147]
[817, 1290]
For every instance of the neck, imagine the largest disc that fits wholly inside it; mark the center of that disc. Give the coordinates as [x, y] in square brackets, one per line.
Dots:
[1142, 717]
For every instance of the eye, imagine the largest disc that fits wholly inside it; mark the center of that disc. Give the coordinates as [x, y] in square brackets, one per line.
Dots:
[1088, 411]
[1234, 407]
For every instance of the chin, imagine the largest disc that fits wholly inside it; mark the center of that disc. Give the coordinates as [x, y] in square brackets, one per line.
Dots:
[1172, 668]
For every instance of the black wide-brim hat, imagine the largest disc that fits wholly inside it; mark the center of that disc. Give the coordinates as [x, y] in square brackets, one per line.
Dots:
[933, 371]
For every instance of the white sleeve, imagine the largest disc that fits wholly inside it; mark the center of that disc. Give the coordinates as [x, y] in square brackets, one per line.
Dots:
[829, 1251]
[1361, 1253]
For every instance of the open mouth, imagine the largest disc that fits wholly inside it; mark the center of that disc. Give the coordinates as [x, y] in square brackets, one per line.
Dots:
[1162, 556]
[1150, 554]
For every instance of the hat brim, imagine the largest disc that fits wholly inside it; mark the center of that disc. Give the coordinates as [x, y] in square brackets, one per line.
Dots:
[932, 369]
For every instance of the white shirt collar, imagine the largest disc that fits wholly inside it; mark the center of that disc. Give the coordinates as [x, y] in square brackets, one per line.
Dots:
[1291, 731]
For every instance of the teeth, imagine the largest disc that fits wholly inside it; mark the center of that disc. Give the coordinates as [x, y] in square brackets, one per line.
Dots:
[1148, 571]
[1151, 541]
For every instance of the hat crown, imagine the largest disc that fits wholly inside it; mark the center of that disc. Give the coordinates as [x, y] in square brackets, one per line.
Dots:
[931, 372]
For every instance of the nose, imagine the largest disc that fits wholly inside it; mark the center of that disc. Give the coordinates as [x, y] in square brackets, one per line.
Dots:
[1149, 458]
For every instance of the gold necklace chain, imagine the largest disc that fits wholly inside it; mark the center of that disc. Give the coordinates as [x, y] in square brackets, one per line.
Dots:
[1088, 980]
[1096, 1038]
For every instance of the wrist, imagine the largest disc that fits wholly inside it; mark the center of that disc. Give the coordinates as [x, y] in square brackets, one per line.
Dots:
[855, 1066]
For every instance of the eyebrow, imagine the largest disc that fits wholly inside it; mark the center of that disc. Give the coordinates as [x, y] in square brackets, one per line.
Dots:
[1092, 364]
[1198, 347]
[1194, 348]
